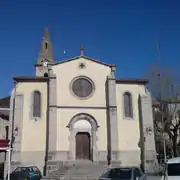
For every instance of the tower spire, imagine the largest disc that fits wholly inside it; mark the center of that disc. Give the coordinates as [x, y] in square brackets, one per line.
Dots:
[46, 33]
[46, 48]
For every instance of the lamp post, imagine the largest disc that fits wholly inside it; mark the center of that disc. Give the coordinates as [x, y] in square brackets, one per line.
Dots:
[9, 161]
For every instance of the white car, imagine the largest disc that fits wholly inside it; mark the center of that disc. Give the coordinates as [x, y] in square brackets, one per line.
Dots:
[172, 169]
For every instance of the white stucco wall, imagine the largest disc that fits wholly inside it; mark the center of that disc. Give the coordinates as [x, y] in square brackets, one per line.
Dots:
[68, 105]
[33, 132]
[128, 129]
[65, 115]
[66, 72]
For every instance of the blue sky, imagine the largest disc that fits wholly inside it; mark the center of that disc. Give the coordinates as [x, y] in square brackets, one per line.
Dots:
[113, 31]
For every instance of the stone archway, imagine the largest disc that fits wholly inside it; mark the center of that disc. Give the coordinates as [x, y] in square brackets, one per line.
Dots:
[83, 123]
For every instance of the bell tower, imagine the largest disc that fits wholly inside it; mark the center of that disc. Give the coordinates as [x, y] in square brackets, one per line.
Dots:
[45, 57]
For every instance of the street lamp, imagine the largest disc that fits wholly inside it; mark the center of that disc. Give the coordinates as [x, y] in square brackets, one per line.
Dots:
[9, 161]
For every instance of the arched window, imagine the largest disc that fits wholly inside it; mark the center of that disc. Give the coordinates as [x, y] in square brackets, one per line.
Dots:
[46, 45]
[37, 104]
[45, 74]
[128, 111]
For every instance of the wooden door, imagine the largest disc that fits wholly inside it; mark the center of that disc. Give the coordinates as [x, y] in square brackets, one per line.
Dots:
[82, 146]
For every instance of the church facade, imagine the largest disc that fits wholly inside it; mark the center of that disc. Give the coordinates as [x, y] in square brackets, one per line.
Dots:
[78, 110]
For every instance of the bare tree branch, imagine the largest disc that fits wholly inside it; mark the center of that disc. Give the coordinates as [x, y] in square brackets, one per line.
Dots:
[165, 87]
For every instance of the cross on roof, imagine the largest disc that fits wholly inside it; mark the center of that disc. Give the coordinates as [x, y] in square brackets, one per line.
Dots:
[81, 50]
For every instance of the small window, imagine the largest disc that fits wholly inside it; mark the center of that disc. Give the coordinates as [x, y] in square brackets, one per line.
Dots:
[18, 169]
[45, 74]
[23, 169]
[105, 174]
[7, 132]
[173, 169]
[37, 104]
[35, 169]
[30, 170]
[121, 173]
[46, 45]
[128, 111]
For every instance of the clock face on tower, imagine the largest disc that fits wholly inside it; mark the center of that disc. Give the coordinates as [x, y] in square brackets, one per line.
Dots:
[45, 63]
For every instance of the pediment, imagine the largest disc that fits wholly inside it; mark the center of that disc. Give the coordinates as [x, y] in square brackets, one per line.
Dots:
[83, 58]
[83, 66]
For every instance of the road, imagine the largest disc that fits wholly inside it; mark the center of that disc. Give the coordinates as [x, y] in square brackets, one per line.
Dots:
[154, 178]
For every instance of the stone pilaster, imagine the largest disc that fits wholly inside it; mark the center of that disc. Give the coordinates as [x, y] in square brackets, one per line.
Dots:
[18, 122]
[112, 126]
[148, 149]
[52, 116]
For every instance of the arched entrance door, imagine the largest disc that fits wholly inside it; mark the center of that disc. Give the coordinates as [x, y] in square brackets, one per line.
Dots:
[82, 145]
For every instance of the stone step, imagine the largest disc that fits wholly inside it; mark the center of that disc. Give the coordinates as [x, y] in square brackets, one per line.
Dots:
[50, 178]
[84, 170]
[84, 173]
[70, 178]
[76, 174]
[79, 178]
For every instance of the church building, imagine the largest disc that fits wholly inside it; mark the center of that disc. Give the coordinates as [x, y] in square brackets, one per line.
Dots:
[77, 109]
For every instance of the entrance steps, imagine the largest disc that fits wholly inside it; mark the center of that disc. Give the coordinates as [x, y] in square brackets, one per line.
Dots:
[79, 170]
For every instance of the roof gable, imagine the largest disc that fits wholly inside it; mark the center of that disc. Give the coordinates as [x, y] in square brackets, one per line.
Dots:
[85, 57]
[132, 81]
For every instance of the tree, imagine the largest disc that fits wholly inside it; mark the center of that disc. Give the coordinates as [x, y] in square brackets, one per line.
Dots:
[165, 88]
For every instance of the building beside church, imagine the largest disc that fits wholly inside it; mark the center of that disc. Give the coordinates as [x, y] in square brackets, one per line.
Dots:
[4, 131]
[4, 120]
[77, 109]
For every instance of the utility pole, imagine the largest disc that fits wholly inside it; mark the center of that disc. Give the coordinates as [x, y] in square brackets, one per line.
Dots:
[162, 119]
[161, 99]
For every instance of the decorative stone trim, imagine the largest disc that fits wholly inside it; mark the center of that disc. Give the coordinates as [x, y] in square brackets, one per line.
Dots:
[18, 122]
[31, 106]
[123, 106]
[92, 132]
[112, 124]
[52, 112]
[148, 151]
[88, 79]
[83, 116]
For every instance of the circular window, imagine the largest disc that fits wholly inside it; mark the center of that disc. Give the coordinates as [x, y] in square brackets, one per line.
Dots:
[82, 87]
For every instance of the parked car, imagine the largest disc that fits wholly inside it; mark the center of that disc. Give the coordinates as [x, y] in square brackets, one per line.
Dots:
[123, 173]
[25, 173]
[171, 170]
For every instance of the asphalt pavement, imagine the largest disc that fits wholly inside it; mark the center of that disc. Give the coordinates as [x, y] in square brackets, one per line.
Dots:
[154, 178]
